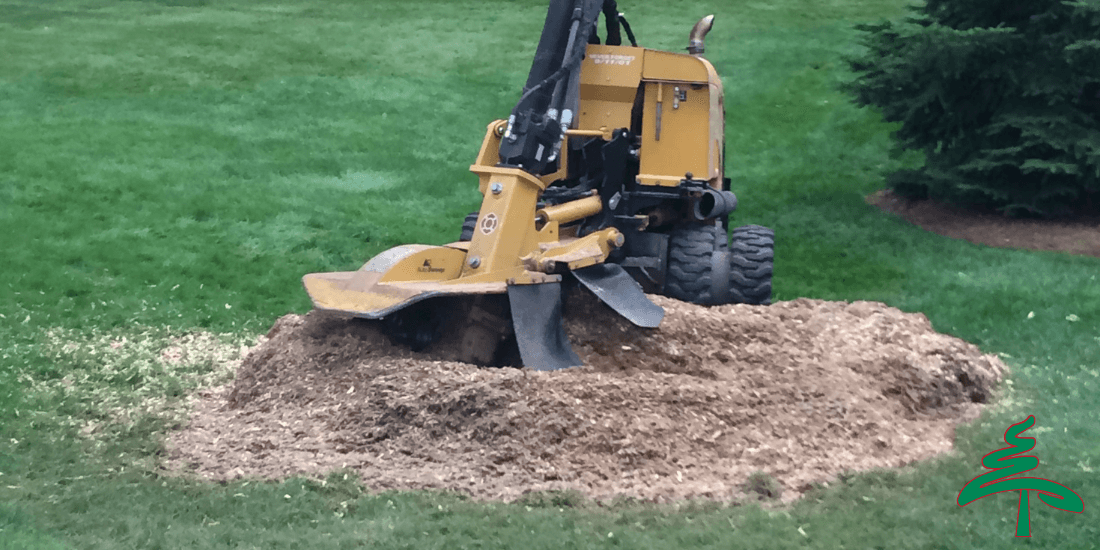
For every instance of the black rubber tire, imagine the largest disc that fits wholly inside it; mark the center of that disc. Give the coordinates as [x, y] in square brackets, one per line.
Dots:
[468, 226]
[698, 265]
[752, 251]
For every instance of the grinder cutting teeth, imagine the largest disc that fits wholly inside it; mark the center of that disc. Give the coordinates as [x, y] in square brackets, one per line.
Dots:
[608, 170]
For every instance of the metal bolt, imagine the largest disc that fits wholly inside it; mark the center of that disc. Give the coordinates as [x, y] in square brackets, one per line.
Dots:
[496, 188]
[616, 239]
[475, 262]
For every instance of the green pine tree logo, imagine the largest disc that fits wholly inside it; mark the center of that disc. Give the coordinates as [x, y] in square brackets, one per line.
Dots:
[1008, 462]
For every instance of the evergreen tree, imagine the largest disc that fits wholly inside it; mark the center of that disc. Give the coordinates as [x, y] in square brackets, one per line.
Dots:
[1002, 96]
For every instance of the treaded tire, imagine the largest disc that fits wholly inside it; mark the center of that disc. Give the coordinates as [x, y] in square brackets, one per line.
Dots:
[468, 226]
[698, 265]
[752, 251]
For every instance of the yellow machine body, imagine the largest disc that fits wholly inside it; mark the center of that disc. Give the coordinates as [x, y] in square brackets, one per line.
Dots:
[683, 123]
[682, 129]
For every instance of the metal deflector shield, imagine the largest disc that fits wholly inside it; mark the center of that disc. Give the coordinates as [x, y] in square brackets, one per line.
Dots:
[540, 333]
[616, 288]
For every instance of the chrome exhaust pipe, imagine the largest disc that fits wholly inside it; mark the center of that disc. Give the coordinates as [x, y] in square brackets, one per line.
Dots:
[698, 33]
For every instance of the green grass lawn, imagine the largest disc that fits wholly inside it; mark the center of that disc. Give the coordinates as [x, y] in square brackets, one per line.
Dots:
[174, 165]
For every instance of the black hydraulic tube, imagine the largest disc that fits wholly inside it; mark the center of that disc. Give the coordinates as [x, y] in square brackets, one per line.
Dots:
[546, 108]
[557, 99]
[629, 33]
[611, 22]
[548, 54]
[540, 57]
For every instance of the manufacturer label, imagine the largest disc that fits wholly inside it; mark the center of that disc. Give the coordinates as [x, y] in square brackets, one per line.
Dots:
[611, 59]
[427, 268]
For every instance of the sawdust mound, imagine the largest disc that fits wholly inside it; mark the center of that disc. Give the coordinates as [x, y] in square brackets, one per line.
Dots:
[801, 390]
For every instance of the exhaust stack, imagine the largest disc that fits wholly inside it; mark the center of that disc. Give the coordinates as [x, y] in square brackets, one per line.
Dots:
[714, 203]
[698, 33]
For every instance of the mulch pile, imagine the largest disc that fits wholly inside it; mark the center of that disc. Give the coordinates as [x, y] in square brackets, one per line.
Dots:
[1074, 235]
[802, 390]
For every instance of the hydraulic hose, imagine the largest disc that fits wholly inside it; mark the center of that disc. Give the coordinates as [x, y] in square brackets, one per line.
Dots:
[629, 33]
[611, 22]
[559, 99]
[566, 66]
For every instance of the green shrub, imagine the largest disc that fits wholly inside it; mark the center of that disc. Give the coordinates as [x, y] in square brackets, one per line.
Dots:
[763, 486]
[1002, 96]
[553, 499]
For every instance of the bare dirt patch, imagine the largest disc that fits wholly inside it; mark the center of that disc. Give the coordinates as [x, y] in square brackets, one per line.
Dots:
[802, 390]
[1080, 235]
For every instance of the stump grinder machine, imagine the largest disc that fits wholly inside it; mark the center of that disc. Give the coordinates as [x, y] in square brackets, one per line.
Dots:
[610, 171]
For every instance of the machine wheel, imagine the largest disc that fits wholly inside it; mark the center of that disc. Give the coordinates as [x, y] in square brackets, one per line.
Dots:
[468, 226]
[752, 250]
[698, 265]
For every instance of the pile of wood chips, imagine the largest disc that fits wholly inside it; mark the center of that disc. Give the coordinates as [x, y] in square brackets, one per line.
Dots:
[801, 390]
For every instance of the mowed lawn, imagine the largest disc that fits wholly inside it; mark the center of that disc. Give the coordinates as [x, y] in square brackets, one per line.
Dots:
[172, 168]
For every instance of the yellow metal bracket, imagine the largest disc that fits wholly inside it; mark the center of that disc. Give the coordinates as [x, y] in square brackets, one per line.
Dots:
[575, 253]
[603, 132]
